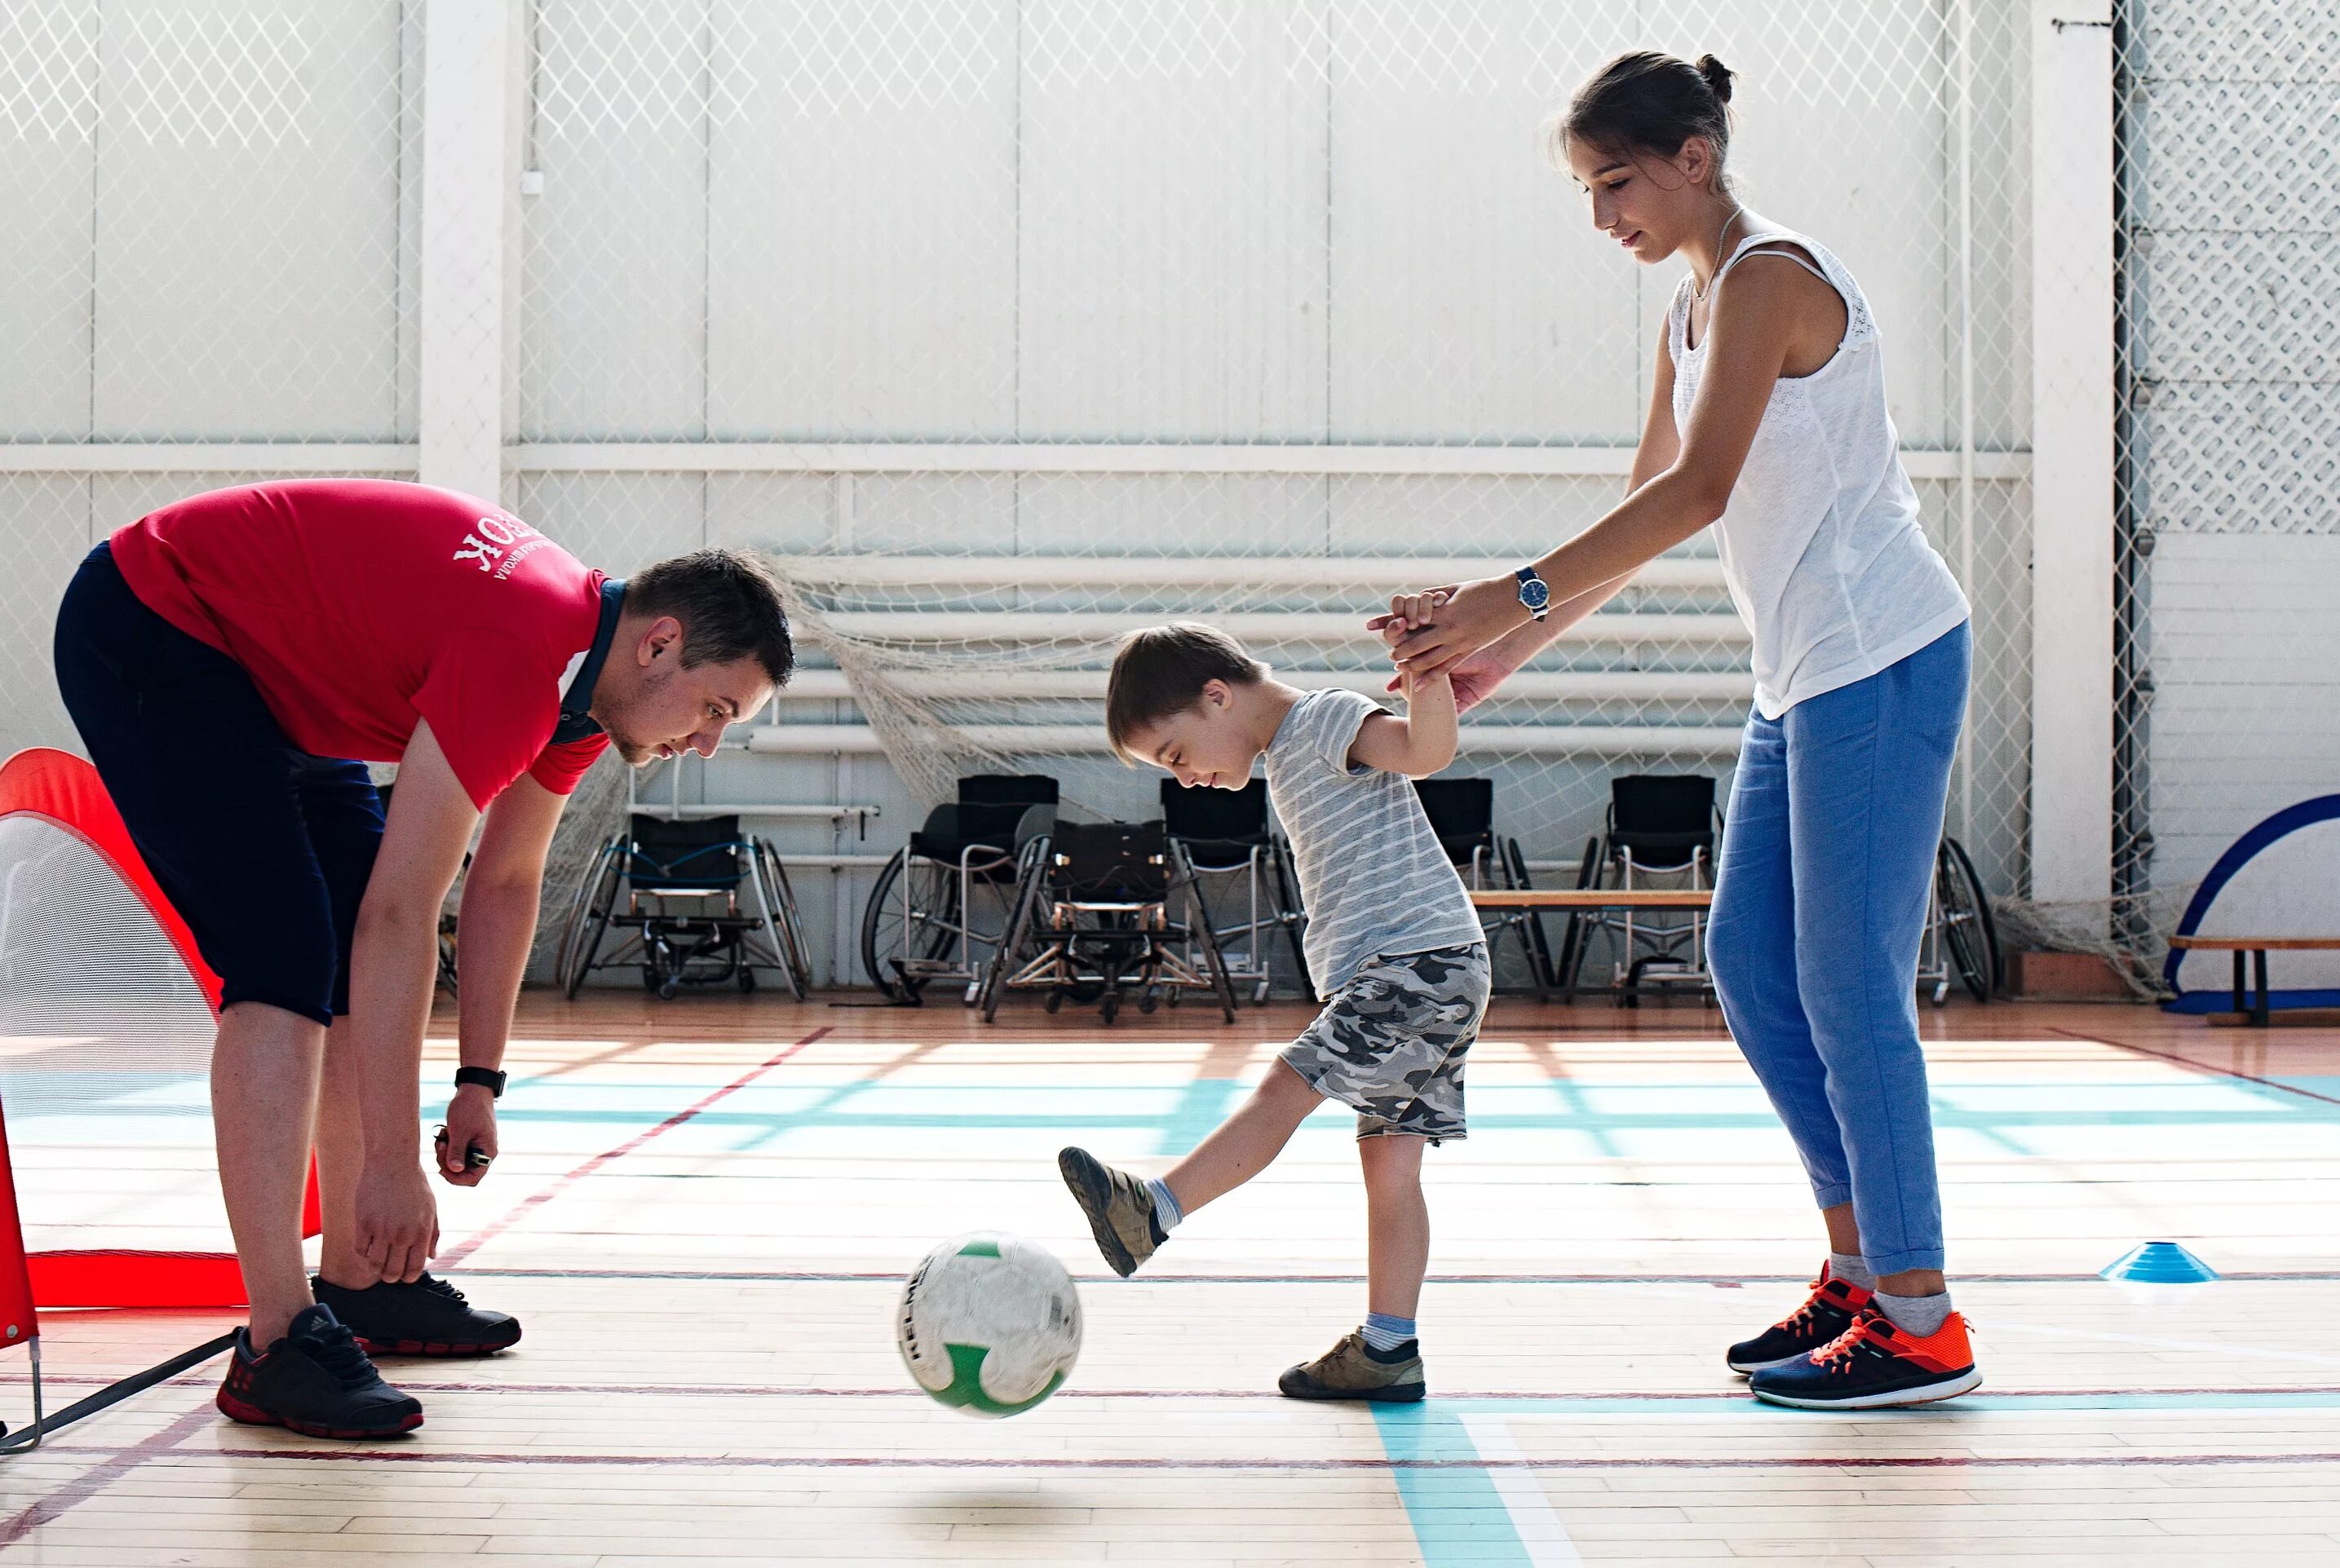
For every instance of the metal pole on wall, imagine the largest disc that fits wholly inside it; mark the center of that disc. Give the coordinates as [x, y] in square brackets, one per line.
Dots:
[2072, 371]
[1965, 541]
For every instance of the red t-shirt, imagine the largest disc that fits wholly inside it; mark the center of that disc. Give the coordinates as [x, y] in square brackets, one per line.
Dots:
[360, 607]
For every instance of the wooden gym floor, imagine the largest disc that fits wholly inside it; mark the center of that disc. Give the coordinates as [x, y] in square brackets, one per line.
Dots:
[704, 1209]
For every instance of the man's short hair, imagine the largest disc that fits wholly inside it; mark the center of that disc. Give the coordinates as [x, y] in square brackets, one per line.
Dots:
[728, 603]
[1161, 671]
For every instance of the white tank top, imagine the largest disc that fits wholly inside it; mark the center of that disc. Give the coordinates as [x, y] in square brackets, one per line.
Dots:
[1820, 539]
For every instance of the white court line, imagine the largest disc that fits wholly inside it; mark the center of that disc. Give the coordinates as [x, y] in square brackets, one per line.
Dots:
[1533, 1519]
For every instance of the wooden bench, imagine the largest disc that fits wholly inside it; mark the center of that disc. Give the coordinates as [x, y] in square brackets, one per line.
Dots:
[1592, 898]
[1586, 900]
[2256, 947]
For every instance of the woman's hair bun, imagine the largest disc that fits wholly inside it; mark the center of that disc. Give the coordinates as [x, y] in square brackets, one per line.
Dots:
[1718, 76]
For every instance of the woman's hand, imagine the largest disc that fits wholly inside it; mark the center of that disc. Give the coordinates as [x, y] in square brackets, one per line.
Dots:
[1451, 627]
[1475, 678]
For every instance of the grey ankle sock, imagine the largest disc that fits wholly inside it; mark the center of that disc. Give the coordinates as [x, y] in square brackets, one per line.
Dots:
[1917, 1315]
[1167, 1212]
[1852, 1269]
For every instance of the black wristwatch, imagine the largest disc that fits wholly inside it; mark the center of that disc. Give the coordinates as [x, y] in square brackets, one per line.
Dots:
[1534, 594]
[487, 1078]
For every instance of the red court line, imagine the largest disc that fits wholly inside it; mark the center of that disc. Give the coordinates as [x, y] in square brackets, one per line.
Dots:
[1731, 1282]
[462, 1249]
[798, 1391]
[2209, 1068]
[2127, 1461]
[120, 1461]
[1595, 1396]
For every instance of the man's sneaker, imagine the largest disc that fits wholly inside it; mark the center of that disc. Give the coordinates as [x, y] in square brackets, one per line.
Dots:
[1826, 1313]
[428, 1317]
[316, 1381]
[1120, 1208]
[1354, 1369]
[1871, 1364]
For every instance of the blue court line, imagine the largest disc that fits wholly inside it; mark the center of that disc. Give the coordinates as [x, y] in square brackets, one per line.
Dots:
[1455, 1512]
[1458, 1518]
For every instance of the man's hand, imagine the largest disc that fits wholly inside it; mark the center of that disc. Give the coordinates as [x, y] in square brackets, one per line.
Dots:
[397, 1219]
[470, 1124]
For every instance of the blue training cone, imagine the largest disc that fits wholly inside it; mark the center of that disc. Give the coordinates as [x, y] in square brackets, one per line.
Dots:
[2158, 1263]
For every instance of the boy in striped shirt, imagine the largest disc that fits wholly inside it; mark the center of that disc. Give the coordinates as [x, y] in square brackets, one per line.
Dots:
[1392, 944]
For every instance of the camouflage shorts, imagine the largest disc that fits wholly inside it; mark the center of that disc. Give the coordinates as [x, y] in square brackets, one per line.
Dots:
[1390, 1042]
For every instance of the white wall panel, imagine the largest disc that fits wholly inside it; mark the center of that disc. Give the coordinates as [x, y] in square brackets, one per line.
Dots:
[862, 273]
[2246, 657]
[247, 222]
[1471, 300]
[1173, 223]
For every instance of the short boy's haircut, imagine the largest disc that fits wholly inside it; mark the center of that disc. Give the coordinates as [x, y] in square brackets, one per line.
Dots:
[728, 603]
[1162, 670]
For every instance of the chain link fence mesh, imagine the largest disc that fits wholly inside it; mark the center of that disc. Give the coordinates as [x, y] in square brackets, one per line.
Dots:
[1187, 226]
[2227, 704]
[1191, 226]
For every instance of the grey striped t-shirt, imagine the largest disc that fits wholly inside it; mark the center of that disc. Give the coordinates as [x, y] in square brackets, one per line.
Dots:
[1372, 872]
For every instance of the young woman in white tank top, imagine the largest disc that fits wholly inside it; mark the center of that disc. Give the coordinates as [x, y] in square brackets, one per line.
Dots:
[1768, 421]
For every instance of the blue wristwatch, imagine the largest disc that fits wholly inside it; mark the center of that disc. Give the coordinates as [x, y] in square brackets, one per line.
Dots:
[1534, 594]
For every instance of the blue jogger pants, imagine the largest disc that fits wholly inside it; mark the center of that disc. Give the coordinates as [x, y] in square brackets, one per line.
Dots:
[1819, 905]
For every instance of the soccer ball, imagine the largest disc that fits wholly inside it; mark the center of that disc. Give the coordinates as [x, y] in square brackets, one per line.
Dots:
[989, 1324]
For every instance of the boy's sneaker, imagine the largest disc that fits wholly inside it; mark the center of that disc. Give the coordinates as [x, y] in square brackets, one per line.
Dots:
[316, 1381]
[1827, 1312]
[427, 1317]
[1354, 1369]
[1120, 1208]
[1873, 1363]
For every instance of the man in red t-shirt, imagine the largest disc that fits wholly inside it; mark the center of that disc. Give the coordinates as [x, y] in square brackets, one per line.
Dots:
[233, 662]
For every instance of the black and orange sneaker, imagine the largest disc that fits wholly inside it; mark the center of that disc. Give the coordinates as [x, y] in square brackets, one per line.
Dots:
[1826, 1313]
[426, 1318]
[316, 1381]
[1874, 1363]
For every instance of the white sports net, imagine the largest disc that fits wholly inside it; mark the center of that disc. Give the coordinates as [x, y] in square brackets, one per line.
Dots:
[1096, 313]
[105, 1048]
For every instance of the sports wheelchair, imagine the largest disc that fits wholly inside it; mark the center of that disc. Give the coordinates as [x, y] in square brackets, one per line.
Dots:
[1225, 834]
[1462, 813]
[948, 894]
[1093, 912]
[1662, 826]
[693, 902]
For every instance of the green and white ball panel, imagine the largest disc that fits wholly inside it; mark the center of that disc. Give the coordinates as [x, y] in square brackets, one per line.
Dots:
[991, 1324]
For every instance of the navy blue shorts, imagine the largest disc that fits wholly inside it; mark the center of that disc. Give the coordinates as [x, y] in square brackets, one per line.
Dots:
[264, 849]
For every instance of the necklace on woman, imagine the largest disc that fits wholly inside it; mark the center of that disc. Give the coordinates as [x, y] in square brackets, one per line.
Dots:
[1696, 292]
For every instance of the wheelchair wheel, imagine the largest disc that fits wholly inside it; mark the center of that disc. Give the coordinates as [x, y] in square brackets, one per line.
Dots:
[912, 910]
[589, 918]
[1967, 930]
[795, 952]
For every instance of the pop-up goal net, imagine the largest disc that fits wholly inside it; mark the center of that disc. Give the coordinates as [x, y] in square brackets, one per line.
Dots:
[109, 1184]
[107, 1017]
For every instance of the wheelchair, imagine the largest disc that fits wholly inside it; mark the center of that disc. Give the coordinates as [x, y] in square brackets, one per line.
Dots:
[1225, 834]
[693, 902]
[946, 895]
[1961, 938]
[1662, 826]
[1462, 813]
[1093, 912]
